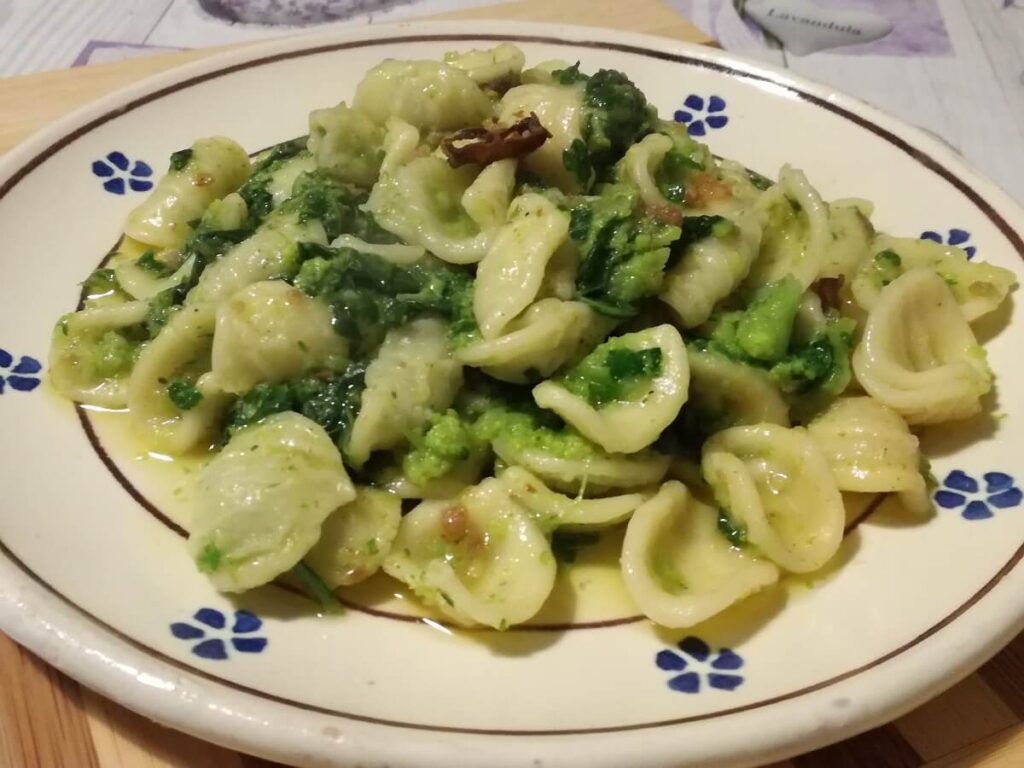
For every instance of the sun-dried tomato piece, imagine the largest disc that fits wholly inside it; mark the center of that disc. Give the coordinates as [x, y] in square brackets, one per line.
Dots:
[482, 146]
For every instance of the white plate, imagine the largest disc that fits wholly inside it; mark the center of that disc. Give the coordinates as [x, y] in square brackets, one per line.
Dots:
[100, 587]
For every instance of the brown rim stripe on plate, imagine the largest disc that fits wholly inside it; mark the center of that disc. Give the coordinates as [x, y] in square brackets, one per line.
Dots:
[926, 160]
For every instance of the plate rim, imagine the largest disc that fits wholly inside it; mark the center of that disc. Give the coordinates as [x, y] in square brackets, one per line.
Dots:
[30, 626]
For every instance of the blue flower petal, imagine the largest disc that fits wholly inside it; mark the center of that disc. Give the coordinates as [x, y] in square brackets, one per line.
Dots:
[6, 358]
[961, 481]
[119, 160]
[31, 365]
[140, 185]
[670, 661]
[696, 128]
[211, 649]
[716, 104]
[724, 682]
[996, 481]
[933, 236]
[695, 647]
[688, 682]
[101, 169]
[949, 499]
[184, 631]
[682, 116]
[976, 510]
[717, 121]
[210, 617]
[958, 236]
[141, 168]
[727, 659]
[1004, 500]
[116, 186]
[694, 102]
[246, 621]
[970, 250]
[22, 383]
[249, 644]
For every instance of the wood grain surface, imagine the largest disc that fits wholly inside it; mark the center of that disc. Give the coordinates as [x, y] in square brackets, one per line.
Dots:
[49, 721]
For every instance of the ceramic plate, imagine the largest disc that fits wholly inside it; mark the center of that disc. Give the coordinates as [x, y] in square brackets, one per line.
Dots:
[95, 579]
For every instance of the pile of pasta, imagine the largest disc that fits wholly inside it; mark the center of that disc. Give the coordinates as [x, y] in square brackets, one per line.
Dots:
[486, 305]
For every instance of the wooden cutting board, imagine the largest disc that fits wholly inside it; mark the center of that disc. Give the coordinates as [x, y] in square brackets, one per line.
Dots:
[49, 721]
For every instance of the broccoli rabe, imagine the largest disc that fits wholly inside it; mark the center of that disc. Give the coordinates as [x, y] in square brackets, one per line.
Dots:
[336, 205]
[151, 263]
[615, 115]
[622, 250]
[256, 191]
[183, 394]
[820, 368]
[439, 448]
[332, 401]
[611, 372]
[678, 164]
[369, 294]
[101, 284]
[179, 160]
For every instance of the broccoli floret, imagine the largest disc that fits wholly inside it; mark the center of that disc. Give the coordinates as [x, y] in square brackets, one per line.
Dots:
[885, 267]
[183, 394]
[764, 328]
[525, 428]
[436, 451]
[369, 295]
[610, 233]
[611, 372]
[336, 205]
[616, 115]
[331, 401]
[462, 327]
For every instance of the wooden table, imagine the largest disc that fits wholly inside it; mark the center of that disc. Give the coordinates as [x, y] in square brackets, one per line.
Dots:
[49, 721]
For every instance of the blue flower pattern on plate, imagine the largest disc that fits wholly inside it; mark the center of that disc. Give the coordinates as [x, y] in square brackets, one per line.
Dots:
[957, 237]
[700, 114]
[120, 173]
[21, 376]
[695, 664]
[961, 490]
[213, 638]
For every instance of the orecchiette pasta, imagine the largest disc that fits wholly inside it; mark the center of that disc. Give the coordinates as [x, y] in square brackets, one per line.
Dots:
[493, 67]
[346, 143]
[918, 355]
[726, 393]
[263, 499]
[678, 568]
[355, 538]
[639, 407]
[413, 376]
[710, 270]
[540, 341]
[510, 275]
[420, 202]
[271, 331]
[486, 201]
[551, 510]
[979, 288]
[427, 94]
[214, 167]
[478, 559]
[871, 450]
[776, 483]
[852, 233]
[798, 233]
